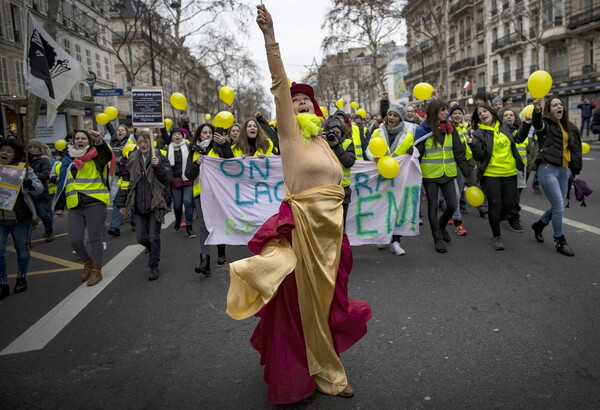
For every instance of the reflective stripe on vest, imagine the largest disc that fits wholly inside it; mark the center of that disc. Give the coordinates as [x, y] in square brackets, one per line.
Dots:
[462, 133]
[88, 182]
[52, 186]
[346, 171]
[358, 148]
[438, 160]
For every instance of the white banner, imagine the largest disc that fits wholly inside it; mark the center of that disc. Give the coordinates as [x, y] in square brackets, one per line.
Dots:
[49, 71]
[238, 195]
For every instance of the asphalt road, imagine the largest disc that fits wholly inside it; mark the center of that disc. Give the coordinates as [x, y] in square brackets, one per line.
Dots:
[470, 329]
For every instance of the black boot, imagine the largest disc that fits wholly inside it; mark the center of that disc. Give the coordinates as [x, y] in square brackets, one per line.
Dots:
[440, 246]
[221, 255]
[563, 247]
[538, 227]
[21, 285]
[445, 234]
[204, 266]
[4, 291]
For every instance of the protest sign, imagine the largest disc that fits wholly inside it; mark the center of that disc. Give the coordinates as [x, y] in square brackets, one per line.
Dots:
[11, 179]
[147, 107]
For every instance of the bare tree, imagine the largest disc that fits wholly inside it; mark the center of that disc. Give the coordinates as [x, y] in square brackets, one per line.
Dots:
[365, 23]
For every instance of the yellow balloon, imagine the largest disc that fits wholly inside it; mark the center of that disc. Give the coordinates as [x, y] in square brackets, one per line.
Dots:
[111, 112]
[422, 91]
[323, 110]
[354, 105]
[528, 110]
[102, 118]
[127, 150]
[226, 95]
[362, 112]
[207, 117]
[178, 101]
[474, 196]
[539, 84]
[60, 145]
[339, 103]
[585, 147]
[224, 119]
[168, 123]
[388, 167]
[378, 147]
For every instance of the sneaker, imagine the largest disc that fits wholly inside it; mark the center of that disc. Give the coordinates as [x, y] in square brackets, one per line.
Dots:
[450, 221]
[21, 285]
[190, 232]
[4, 291]
[114, 232]
[154, 274]
[498, 243]
[49, 236]
[397, 249]
[516, 227]
[460, 230]
[182, 223]
[177, 227]
[420, 221]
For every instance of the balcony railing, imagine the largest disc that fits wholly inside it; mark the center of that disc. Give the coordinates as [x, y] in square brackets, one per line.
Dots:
[506, 77]
[510, 40]
[481, 59]
[458, 7]
[413, 75]
[588, 69]
[453, 95]
[560, 74]
[518, 74]
[464, 63]
[495, 79]
[585, 16]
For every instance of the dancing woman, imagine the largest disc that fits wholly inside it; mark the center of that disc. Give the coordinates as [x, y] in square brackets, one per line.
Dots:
[297, 282]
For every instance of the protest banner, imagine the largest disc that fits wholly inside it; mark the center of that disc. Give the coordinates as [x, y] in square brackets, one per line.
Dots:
[11, 180]
[239, 194]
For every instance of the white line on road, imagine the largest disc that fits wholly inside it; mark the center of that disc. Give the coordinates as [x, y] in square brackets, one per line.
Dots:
[46, 329]
[566, 221]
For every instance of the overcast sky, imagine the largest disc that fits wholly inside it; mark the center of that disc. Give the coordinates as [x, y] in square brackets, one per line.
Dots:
[298, 33]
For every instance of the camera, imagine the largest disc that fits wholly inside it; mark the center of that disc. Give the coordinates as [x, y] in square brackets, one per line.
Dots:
[331, 134]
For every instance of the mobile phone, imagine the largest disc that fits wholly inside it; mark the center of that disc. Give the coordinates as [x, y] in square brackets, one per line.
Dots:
[219, 130]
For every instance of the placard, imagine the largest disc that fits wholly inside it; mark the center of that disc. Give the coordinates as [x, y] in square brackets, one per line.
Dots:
[11, 179]
[147, 107]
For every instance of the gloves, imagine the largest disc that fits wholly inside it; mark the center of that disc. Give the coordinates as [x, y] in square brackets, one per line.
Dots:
[28, 183]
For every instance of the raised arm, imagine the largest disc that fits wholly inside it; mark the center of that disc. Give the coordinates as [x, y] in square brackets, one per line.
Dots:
[287, 125]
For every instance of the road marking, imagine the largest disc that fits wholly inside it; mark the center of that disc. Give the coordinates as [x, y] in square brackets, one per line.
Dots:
[44, 239]
[66, 265]
[169, 219]
[42, 332]
[566, 221]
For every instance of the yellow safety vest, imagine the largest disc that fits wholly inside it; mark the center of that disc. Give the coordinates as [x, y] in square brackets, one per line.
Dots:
[438, 161]
[88, 182]
[522, 147]
[358, 148]
[52, 187]
[197, 184]
[237, 152]
[462, 133]
[346, 171]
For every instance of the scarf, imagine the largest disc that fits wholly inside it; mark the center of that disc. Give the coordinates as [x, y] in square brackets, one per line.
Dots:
[80, 160]
[184, 155]
[76, 153]
[384, 132]
[446, 127]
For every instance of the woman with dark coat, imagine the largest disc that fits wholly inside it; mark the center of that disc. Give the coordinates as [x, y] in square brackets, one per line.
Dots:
[40, 164]
[560, 152]
[495, 150]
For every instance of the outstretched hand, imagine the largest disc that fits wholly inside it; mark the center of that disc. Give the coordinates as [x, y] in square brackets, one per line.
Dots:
[265, 23]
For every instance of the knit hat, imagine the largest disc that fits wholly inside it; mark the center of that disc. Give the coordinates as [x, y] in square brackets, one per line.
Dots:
[496, 99]
[35, 143]
[398, 109]
[456, 107]
[308, 90]
[179, 130]
[344, 115]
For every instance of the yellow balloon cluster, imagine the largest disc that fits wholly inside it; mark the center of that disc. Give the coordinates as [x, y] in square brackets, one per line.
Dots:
[539, 84]
[102, 118]
[340, 103]
[224, 119]
[474, 196]
[60, 145]
[111, 112]
[388, 167]
[378, 147]
[178, 101]
[423, 91]
[226, 95]
[362, 112]
[168, 123]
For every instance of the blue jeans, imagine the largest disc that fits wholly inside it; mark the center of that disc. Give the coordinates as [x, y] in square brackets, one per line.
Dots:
[20, 233]
[183, 196]
[554, 181]
[42, 208]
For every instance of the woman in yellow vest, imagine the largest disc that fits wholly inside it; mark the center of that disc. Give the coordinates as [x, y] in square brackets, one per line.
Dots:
[442, 153]
[495, 149]
[83, 189]
[513, 122]
[205, 143]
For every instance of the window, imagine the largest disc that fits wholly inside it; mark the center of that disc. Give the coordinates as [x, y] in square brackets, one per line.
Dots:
[520, 66]
[453, 87]
[98, 66]
[88, 55]
[552, 13]
[67, 45]
[495, 68]
[588, 50]
[78, 52]
[3, 76]
[559, 62]
[481, 80]
[480, 48]
[20, 78]
[495, 34]
[506, 76]
[519, 24]
[107, 68]
[469, 52]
